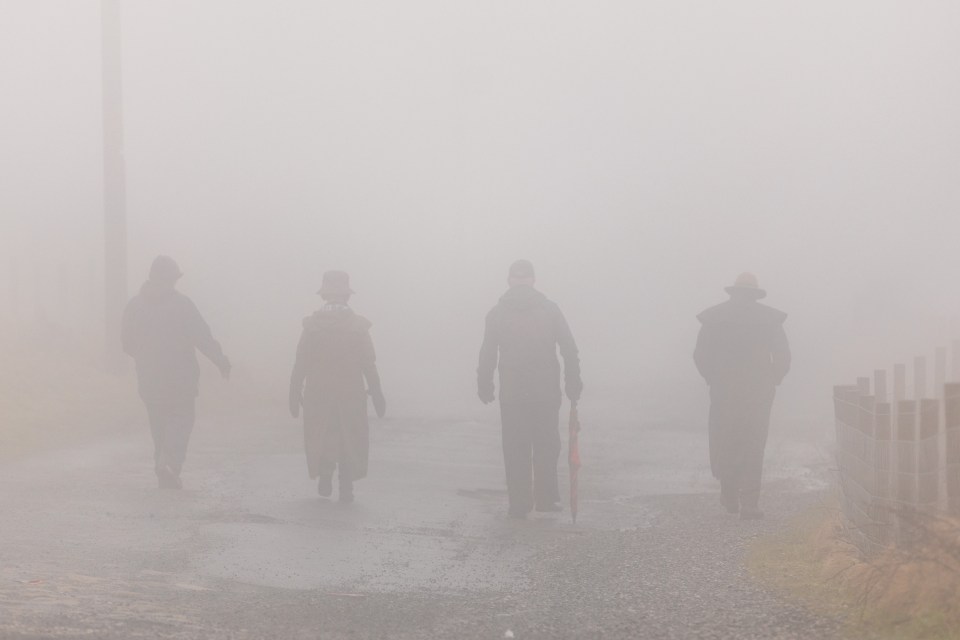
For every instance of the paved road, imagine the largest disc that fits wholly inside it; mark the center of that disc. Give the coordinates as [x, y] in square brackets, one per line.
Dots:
[91, 549]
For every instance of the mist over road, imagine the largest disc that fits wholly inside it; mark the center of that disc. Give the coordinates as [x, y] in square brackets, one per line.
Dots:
[92, 548]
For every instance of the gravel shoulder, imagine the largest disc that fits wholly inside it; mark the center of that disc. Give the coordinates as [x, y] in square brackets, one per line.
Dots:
[91, 549]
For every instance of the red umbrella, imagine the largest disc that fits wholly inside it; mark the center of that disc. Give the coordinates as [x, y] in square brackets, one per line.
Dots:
[574, 459]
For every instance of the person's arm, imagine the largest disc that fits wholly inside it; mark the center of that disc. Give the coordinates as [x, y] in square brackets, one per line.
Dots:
[780, 355]
[573, 385]
[489, 355]
[204, 341]
[298, 377]
[702, 355]
[372, 375]
[129, 338]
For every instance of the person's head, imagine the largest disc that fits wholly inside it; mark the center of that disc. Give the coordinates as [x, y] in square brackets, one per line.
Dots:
[521, 273]
[164, 272]
[336, 287]
[746, 287]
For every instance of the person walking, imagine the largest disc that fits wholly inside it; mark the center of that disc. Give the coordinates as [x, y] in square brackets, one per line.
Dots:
[522, 334]
[162, 330]
[334, 372]
[743, 353]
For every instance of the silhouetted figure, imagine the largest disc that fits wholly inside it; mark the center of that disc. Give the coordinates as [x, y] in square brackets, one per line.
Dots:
[521, 338]
[743, 353]
[162, 330]
[334, 357]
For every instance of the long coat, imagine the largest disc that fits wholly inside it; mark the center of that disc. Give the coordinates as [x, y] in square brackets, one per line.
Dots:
[523, 332]
[743, 354]
[162, 330]
[334, 357]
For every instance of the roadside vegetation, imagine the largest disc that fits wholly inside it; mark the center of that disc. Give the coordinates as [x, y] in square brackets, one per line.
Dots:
[54, 397]
[898, 594]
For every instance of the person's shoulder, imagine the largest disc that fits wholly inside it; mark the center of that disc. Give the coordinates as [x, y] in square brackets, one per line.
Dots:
[732, 312]
[361, 323]
[771, 315]
[715, 314]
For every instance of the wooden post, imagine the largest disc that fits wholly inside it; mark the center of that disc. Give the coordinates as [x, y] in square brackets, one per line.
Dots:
[954, 375]
[899, 382]
[928, 460]
[114, 184]
[940, 372]
[919, 377]
[882, 511]
[880, 385]
[952, 445]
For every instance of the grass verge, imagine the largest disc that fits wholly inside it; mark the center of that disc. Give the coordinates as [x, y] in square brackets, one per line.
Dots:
[896, 595]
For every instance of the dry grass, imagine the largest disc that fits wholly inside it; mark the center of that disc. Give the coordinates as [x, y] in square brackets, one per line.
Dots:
[54, 399]
[901, 593]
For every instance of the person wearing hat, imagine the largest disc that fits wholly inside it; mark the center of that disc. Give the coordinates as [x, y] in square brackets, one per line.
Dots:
[523, 332]
[334, 372]
[743, 354]
[162, 330]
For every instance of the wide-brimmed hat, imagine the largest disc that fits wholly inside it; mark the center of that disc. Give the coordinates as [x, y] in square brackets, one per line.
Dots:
[165, 269]
[335, 283]
[747, 283]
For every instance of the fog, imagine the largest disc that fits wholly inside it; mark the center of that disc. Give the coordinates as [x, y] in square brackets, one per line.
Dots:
[641, 155]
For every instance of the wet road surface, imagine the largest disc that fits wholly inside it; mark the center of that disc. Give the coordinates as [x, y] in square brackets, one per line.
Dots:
[89, 548]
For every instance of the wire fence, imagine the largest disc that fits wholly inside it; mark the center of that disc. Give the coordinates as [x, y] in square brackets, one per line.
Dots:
[898, 454]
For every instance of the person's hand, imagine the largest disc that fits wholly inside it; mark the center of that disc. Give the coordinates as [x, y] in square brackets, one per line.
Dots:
[225, 368]
[486, 394]
[379, 402]
[295, 401]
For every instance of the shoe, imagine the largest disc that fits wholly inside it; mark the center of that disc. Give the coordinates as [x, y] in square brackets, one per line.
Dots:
[750, 513]
[731, 505]
[167, 479]
[552, 507]
[325, 486]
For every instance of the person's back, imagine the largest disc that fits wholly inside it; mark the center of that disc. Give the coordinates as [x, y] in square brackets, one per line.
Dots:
[742, 343]
[528, 328]
[335, 347]
[522, 335]
[334, 369]
[743, 354]
[162, 331]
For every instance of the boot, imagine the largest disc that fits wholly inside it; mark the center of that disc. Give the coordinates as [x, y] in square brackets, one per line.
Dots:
[325, 485]
[729, 498]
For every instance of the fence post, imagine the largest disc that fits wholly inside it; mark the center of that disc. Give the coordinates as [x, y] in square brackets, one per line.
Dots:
[940, 372]
[955, 363]
[899, 382]
[952, 432]
[882, 468]
[906, 458]
[880, 385]
[919, 377]
[928, 461]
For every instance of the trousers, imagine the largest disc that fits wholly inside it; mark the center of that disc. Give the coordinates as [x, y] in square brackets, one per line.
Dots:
[739, 424]
[171, 424]
[531, 450]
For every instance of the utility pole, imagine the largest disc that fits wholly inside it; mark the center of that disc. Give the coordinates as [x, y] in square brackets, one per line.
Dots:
[114, 185]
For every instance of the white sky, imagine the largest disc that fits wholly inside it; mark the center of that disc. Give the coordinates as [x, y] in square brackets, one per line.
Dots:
[640, 153]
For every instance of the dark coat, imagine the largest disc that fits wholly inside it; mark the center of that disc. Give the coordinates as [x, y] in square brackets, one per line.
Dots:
[334, 357]
[742, 343]
[162, 330]
[521, 338]
[743, 354]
